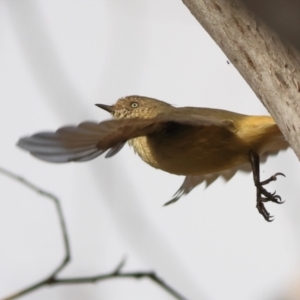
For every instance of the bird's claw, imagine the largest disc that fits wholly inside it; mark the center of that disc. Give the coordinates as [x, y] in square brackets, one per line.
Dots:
[264, 196]
[270, 197]
[272, 178]
[262, 210]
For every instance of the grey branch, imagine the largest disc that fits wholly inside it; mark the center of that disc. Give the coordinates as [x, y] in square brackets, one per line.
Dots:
[281, 15]
[52, 279]
[269, 65]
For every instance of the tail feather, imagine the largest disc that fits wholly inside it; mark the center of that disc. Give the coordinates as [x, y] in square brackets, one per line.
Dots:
[274, 141]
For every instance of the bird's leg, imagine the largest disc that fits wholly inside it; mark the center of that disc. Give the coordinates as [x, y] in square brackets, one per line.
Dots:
[262, 195]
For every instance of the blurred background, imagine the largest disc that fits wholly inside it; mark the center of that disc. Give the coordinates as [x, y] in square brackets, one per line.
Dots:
[57, 59]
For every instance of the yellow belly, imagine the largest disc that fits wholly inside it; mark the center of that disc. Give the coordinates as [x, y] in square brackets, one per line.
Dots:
[192, 150]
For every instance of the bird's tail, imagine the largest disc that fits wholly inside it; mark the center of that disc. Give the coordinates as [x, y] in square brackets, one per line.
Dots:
[274, 141]
[263, 134]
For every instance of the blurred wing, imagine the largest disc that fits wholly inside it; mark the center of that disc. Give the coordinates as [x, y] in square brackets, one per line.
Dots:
[190, 182]
[78, 143]
[193, 120]
[68, 143]
[89, 140]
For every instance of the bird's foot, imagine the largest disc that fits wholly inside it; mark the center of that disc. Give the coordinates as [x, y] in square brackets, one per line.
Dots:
[264, 196]
[272, 178]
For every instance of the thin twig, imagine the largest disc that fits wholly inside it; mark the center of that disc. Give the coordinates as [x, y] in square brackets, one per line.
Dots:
[67, 256]
[53, 280]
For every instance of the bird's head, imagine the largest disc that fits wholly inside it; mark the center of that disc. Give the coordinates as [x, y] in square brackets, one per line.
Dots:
[136, 107]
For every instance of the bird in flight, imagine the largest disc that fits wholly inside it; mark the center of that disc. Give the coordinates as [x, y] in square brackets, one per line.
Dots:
[199, 143]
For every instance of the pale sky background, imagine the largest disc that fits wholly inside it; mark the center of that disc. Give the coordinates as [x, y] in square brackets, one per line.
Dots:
[57, 59]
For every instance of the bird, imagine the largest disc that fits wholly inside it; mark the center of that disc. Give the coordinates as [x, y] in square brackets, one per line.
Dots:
[199, 143]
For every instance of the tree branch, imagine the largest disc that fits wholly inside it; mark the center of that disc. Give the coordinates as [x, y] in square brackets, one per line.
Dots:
[270, 66]
[281, 15]
[53, 280]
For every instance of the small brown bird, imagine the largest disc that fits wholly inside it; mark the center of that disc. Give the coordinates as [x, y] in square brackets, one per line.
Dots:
[200, 143]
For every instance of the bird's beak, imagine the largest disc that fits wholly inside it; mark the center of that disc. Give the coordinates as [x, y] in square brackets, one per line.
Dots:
[109, 108]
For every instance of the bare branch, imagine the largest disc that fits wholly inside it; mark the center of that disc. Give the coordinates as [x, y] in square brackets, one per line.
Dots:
[270, 66]
[114, 274]
[281, 15]
[62, 222]
[53, 280]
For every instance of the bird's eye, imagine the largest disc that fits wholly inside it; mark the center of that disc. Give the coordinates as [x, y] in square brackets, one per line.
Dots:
[134, 105]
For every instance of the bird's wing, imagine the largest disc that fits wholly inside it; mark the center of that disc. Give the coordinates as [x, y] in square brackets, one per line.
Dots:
[193, 120]
[89, 140]
[190, 182]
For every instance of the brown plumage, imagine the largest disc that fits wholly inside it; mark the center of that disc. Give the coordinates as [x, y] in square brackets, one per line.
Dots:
[200, 143]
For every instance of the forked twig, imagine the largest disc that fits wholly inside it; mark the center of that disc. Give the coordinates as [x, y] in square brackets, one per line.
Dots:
[52, 278]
